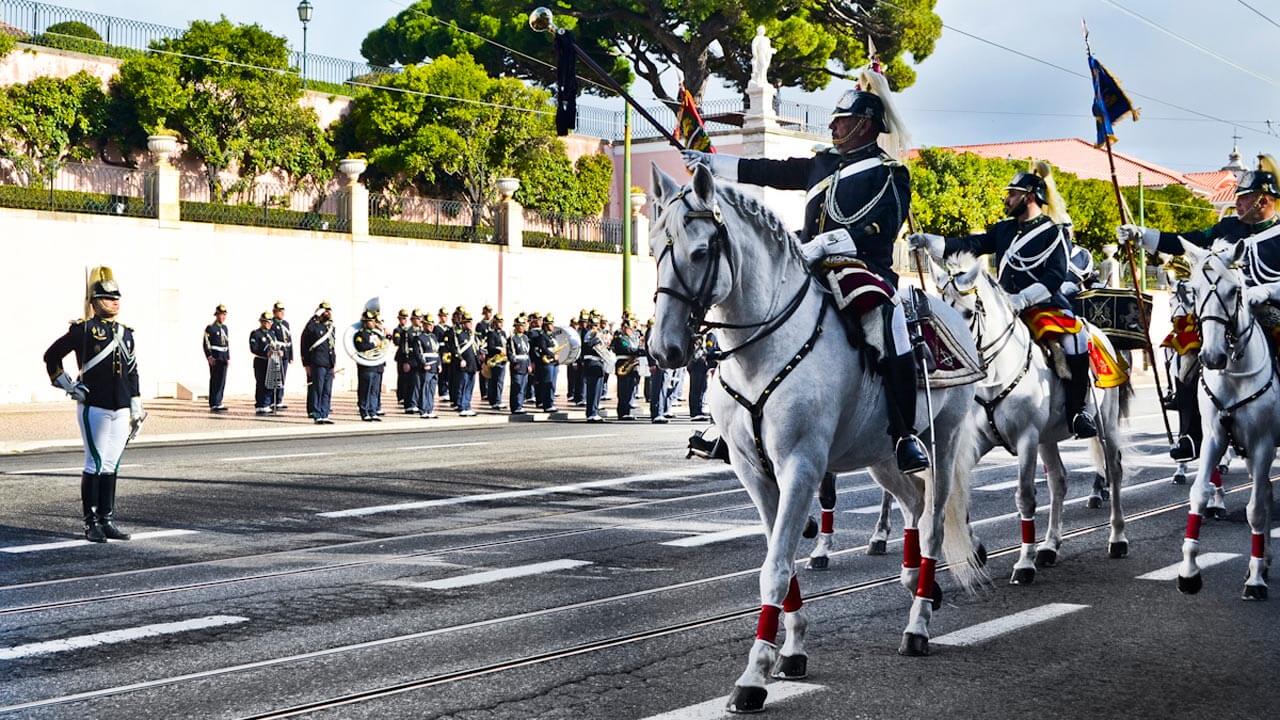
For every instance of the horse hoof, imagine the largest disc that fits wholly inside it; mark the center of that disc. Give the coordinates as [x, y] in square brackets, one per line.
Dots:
[819, 563]
[979, 559]
[914, 645]
[1190, 585]
[1046, 558]
[936, 596]
[1117, 550]
[810, 528]
[792, 667]
[746, 700]
[1094, 502]
[877, 547]
[1216, 513]
[1023, 576]
[1254, 592]
[1179, 479]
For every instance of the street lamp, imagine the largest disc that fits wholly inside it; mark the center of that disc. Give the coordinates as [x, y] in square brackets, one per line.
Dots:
[304, 14]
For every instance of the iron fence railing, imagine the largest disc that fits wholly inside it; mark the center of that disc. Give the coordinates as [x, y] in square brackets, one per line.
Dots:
[723, 114]
[409, 216]
[592, 234]
[82, 188]
[264, 204]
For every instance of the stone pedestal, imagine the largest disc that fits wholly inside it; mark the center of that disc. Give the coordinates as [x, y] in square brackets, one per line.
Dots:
[509, 219]
[353, 211]
[162, 192]
[639, 225]
[760, 115]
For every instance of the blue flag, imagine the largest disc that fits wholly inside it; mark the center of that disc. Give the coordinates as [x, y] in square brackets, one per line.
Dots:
[1110, 104]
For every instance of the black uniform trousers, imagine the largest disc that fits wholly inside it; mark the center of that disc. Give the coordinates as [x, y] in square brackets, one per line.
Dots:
[697, 386]
[593, 380]
[405, 385]
[262, 397]
[320, 392]
[217, 383]
[278, 394]
[368, 388]
[627, 393]
[497, 377]
[423, 395]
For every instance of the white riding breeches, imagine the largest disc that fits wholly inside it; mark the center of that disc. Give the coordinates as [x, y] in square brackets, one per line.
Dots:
[104, 433]
[873, 331]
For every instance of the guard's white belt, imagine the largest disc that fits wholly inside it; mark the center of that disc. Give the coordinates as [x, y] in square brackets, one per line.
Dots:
[521, 357]
[430, 355]
[220, 348]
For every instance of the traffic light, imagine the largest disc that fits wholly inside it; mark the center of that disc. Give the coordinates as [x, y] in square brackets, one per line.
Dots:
[566, 83]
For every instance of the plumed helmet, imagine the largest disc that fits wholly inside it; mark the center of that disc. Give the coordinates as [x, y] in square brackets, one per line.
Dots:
[1264, 179]
[1029, 182]
[858, 103]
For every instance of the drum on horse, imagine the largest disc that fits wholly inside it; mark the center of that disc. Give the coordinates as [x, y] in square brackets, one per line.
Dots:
[1239, 406]
[796, 399]
[1020, 406]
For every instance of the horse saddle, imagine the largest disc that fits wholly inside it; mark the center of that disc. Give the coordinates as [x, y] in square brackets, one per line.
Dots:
[947, 363]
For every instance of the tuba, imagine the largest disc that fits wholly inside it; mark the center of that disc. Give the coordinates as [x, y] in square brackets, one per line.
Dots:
[568, 346]
[369, 358]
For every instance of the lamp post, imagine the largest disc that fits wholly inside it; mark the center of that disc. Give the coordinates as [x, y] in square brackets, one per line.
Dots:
[304, 14]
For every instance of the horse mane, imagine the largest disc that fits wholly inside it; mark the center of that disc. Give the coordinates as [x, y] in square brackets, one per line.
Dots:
[962, 261]
[765, 218]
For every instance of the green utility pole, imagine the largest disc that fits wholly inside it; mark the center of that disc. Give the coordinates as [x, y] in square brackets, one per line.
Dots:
[626, 209]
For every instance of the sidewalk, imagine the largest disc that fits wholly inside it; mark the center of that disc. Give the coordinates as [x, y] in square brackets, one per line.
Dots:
[39, 427]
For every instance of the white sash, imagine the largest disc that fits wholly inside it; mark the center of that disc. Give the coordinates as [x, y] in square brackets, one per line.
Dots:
[1020, 242]
[102, 354]
[323, 339]
[842, 173]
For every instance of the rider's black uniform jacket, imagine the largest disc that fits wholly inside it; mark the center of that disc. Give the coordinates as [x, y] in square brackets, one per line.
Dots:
[113, 381]
[872, 193]
[1262, 257]
[1039, 255]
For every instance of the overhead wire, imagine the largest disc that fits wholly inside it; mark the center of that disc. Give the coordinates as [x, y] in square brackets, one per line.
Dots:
[1259, 13]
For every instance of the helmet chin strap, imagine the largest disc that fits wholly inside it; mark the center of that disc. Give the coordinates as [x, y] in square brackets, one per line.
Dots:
[101, 309]
[852, 133]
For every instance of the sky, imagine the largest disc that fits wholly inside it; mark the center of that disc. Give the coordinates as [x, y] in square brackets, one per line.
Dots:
[968, 92]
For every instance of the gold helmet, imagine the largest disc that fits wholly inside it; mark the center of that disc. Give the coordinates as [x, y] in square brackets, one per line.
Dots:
[1178, 267]
[100, 284]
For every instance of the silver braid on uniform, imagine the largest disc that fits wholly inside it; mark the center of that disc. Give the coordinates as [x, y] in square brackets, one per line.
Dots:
[833, 205]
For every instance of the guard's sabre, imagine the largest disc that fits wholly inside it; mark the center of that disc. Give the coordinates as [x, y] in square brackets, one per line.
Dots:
[917, 338]
[542, 20]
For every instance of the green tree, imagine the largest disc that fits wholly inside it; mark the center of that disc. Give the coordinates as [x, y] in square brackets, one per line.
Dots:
[549, 182]
[233, 115]
[814, 39]
[48, 121]
[7, 43]
[416, 136]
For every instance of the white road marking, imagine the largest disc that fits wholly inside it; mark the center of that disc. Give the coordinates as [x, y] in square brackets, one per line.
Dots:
[684, 527]
[532, 492]
[581, 437]
[74, 469]
[117, 636]
[274, 457]
[870, 509]
[716, 537]
[444, 445]
[61, 544]
[714, 709]
[1275, 533]
[1204, 560]
[490, 576]
[1073, 501]
[1006, 485]
[1000, 626]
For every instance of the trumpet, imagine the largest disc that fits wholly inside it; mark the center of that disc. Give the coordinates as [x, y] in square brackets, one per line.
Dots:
[497, 359]
[627, 365]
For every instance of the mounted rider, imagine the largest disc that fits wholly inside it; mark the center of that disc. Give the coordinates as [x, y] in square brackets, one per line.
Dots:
[1256, 223]
[1031, 252]
[857, 197]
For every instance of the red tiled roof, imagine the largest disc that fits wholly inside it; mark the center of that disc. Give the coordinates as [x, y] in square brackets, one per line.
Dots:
[1082, 159]
[1219, 185]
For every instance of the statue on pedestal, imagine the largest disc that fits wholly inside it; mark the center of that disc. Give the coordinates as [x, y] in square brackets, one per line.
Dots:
[761, 55]
[1109, 268]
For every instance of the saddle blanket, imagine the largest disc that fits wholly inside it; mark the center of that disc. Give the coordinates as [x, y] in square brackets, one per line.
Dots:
[1109, 368]
[857, 288]
[1046, 323]
[1185, 336]
[951, 365]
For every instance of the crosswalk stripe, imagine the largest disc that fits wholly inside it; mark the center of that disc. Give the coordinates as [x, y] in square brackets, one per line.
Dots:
[716, 537]
[490, 576]
[61, 544]
[275, 457]
[117, 636]
[1203, 561]
[69, 469]
[870, 509]
[445, 445]
[715, 709]
[982, 632]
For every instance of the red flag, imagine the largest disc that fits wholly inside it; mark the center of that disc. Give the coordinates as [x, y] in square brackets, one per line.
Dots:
[689, 126]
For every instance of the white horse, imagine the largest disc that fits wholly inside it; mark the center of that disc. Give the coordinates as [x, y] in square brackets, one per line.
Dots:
[1021, 406]
[795, 400]
[1239, 405]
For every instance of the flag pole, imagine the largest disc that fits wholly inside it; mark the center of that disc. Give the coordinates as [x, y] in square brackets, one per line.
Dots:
[1125, 219]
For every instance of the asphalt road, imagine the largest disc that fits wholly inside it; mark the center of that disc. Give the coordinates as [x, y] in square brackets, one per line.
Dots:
[529, 571]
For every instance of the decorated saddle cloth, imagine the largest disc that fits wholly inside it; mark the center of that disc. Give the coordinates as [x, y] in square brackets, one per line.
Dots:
[1185, 336]
[950, 363]
[854, 287]
[1048, 325]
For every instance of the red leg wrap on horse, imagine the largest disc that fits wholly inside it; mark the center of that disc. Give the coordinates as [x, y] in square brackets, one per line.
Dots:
[793, 602]
[1028, 531]
[924, 588]
[767, 628]
[1215, 477]
[1193, 526]
[1259, 548]
[910, 547]
[828, 521]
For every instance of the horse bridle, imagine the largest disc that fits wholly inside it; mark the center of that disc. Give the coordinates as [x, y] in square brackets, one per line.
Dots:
[976, 325]
[1236, 341]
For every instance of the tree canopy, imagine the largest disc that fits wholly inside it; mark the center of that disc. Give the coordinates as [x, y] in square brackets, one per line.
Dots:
[48, 121]
[814, 40]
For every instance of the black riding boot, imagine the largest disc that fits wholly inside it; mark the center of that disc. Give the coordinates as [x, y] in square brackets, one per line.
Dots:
[1187, 448]
[89, 504]
[1077, 391]
[107, 508]
[900, 396]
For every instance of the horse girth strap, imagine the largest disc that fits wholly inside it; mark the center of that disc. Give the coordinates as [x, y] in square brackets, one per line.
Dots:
[756, 408]
[990, 405]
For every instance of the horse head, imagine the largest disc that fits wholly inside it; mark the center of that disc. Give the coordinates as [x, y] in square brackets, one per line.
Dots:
[1217, 285]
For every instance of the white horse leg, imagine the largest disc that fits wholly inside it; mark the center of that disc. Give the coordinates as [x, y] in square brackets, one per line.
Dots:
[1024, 569]
[1109, 439]
[909, 492]
[793, 663]
[1047, 551]
[1189, 579]
[1255, 586]
[1099, 493]
[818, 559]
[880, 536]
[1217, 507]
[749, 692]
[1180, 474]
[928, 595]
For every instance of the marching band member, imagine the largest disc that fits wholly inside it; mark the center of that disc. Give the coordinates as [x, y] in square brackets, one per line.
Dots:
[260, 348]
[404, 372]
[495, 356]
[426, 349]
[700, 365]
[284, 339]
[657, 382]
[518, 352]
[465, 363]
[592, 369]
[544, 365]
[442, 335]
[1257, 223]
[626, 346]
[108, 398]
[368, 341]
[573, 371]
[858, 196]
[319, 356]
[217, 351]
[1031, 254]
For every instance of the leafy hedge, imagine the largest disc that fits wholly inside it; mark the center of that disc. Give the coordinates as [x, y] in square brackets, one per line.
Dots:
[551, 242]
[28, 198]
[429, 231]
[256, 216]
[88, 46]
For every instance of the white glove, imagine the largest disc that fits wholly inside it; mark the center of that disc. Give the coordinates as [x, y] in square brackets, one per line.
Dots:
[1018, 303]
[834, 242]
[137, 416]
[77, 390]
[695, 157]
[935, 244]
[1148, 237]
[1258, 294]
[1031, 295]
[1069, 288]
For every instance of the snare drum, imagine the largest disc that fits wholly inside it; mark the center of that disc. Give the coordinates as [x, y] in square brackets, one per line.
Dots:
[1115, 312]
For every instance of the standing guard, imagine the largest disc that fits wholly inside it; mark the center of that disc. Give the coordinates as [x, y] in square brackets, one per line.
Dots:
[1031, 256]
[1256, 222]
[486, 322]
[658, 380]
[108, 398]
[442, 338]
[592, 369]
[283, 335]
[626, 348]
[858, 197]
[319, 356]
[495, 358]
[573, 371]
[704, 359]
[535, 345]
[369, 341]
[427, 350]
[518, 349]
[260, 347]
[217, 351]
[404, 371]
[544, 366]
[465, 363]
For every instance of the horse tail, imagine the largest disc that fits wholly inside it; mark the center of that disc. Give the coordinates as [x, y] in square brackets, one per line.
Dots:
[1126, 396]
[958, 548]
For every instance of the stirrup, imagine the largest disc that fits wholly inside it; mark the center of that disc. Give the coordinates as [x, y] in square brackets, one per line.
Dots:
[1184, 450]
[910, 455]
[713, 449]
[1082, 426]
